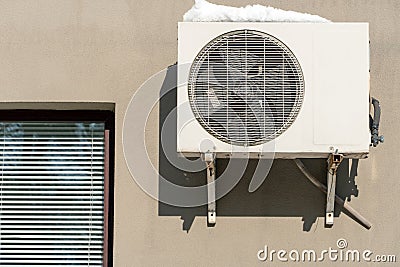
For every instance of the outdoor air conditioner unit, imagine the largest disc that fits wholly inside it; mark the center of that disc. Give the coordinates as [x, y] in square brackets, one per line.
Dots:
[302, 86]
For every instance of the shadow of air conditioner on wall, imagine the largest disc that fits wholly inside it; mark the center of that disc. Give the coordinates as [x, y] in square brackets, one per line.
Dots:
[285, 193]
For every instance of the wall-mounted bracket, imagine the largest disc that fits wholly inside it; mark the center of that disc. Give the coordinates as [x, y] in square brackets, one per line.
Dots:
[334, 161]
[209, 159]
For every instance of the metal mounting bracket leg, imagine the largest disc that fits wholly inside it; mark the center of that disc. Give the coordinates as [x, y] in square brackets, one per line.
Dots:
[334, 161]
[209, 158]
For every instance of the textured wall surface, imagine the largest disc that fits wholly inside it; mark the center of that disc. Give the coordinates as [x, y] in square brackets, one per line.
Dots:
[104, 50]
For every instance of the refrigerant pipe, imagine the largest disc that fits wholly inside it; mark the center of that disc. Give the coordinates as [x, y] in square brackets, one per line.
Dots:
[361, 219]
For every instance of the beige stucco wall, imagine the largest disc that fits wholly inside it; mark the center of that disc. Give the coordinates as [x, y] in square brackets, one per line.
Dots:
[101, 51]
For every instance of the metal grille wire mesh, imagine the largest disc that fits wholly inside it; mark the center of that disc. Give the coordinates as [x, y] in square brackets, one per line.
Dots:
[245, 87]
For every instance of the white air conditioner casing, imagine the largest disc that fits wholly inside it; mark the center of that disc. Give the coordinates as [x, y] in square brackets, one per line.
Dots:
[334, 59]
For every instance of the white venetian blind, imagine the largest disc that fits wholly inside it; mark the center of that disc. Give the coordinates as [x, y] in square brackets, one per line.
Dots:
[51, 193]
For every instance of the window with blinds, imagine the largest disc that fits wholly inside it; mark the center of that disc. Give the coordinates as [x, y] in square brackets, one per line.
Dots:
[52, 193]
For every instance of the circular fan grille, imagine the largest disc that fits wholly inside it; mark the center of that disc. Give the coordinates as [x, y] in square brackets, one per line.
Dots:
[245, 87]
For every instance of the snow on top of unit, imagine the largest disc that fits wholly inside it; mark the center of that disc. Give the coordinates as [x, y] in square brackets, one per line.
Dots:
[205, 11]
